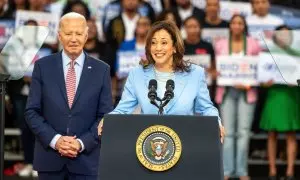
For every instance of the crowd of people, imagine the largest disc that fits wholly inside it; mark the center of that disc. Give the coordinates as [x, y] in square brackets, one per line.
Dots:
[124, 26]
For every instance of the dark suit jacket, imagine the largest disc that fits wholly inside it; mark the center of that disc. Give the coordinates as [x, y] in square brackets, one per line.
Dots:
[47, 112]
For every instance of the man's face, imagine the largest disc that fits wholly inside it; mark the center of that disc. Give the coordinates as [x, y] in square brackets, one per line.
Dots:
[130, 5]
[261, 7]
[212, 8]
[2, 3]
[73, 35]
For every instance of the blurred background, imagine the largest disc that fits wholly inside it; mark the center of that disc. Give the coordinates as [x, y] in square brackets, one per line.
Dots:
[268, 104]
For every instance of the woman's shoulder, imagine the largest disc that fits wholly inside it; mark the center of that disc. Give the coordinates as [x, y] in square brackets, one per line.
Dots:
[138, 70]
[195, 69]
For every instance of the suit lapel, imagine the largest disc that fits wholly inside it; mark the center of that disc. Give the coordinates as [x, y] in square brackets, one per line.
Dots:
[180, 82]
[148, 75]
[83, 79]
[61, 77]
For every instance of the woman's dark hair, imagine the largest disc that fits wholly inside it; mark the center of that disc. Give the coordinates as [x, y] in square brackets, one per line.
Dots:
[13, 7]
[69, 5]
[281, 27]
[31, 21]
[178, 63]
[246, 31]
[163, 15]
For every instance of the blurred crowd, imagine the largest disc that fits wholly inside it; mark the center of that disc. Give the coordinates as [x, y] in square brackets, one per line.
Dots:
[122, 25]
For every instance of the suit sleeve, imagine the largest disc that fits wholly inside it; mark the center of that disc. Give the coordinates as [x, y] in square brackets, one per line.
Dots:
[129, 100]
[90, 139]
[33, 112]
[203, 104]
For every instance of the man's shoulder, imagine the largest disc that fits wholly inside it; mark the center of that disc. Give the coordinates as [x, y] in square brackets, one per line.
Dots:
[97, 62]
[46, 60]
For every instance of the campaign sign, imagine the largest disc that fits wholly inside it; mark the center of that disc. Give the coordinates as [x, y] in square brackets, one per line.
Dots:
[6, 30]
[237, 70]
[43, 19]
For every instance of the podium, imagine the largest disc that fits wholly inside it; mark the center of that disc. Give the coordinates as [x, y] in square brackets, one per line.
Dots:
[125, 136]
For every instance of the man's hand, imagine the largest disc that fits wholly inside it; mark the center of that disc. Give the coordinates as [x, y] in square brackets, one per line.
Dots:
[100, 126]
[68, 146]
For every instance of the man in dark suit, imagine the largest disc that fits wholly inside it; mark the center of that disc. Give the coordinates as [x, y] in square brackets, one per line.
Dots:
[70, 92]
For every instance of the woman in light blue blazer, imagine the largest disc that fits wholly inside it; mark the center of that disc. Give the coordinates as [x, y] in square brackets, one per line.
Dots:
[164, 53]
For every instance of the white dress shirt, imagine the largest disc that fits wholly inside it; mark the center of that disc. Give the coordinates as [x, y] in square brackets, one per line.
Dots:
[78, 70]
[130, 25]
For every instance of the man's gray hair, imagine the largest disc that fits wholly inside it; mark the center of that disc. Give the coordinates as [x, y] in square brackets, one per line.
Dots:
[71, 15]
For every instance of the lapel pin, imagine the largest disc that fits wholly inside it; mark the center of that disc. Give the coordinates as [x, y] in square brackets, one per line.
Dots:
[89, 67]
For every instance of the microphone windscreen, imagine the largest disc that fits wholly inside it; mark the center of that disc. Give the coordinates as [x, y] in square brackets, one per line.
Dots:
[171, 83]
[152, 83]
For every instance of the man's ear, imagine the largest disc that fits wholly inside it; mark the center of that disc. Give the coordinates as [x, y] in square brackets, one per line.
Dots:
[59, 36]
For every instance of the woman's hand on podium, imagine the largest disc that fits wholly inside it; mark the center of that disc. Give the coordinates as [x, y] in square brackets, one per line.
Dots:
[222, 133]
[100, 126]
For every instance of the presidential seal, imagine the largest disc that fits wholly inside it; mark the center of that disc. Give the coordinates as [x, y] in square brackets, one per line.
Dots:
[158, 148]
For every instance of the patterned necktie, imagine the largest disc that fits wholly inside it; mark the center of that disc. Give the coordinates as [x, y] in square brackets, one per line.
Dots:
[71, 83]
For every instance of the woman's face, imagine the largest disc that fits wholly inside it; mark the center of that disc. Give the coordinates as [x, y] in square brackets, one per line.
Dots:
[162, 48]
[283, 38]
[92, 33]
[78, 8]
[143, 26]
[237, 26]
[192, 29]
[19, 2]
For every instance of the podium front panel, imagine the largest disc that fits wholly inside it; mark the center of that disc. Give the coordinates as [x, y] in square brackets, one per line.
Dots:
[201, 148]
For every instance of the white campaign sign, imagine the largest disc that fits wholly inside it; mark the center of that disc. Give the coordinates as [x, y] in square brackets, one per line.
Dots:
[213, 35]
[200, 60]
[127, 60]
[43, 19]
[268, 70]
[281, 68]
[237, 70]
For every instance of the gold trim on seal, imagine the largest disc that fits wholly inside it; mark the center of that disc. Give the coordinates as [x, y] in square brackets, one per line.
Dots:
[160, 166]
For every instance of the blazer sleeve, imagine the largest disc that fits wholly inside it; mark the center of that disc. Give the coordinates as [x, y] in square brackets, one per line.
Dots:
[33, 112]
[203, 104]
[129, 100]
[90, 138]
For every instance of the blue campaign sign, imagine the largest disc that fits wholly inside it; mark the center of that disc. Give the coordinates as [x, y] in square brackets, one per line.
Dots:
[7, 28]
[290, 16]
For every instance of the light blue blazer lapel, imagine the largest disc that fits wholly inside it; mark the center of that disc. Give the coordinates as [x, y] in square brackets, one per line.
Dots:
[180, 81]
[148, 75]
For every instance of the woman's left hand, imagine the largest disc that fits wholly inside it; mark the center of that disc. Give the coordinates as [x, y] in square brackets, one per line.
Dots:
[222, 133]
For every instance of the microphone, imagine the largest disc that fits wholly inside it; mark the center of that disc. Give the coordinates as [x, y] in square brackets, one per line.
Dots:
[152, 89]
[169, 94]
[152, 95]
[170, 86]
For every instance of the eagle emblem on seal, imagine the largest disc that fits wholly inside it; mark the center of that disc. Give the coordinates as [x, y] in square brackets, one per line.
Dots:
[159, 148]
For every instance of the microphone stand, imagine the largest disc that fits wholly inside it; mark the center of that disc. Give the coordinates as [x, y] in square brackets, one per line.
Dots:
[3, 80]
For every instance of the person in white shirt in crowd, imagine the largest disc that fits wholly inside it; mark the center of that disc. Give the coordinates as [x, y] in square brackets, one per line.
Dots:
[185, 9]
[113, 9]
[261, 15]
